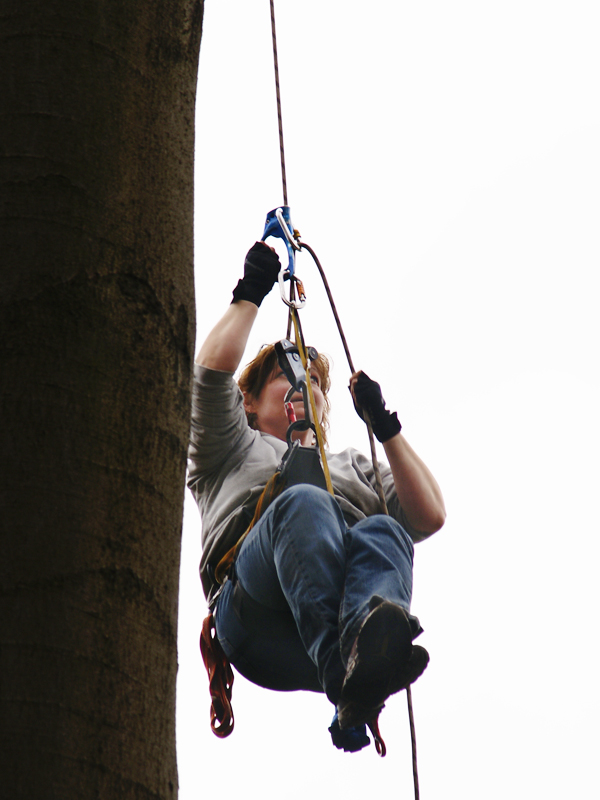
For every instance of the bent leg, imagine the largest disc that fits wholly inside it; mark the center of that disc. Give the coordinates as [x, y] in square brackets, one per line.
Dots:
[301, 560]
[262, 644]
[379, 563]
[294, 558]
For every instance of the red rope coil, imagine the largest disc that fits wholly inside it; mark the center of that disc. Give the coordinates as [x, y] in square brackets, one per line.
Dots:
[220, 679]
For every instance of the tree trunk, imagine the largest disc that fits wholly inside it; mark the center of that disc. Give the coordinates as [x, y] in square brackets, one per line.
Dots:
[96, 342]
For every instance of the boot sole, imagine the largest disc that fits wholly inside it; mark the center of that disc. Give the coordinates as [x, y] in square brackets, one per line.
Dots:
[383, 662]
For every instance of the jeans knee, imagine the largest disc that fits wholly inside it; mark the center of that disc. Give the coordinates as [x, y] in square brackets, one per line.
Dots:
[387, 527]
[306, 491]
[310, 512]
[397, 530]
[304, 496]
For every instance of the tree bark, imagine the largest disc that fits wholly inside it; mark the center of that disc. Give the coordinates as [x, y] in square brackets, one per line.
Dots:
[96, 342]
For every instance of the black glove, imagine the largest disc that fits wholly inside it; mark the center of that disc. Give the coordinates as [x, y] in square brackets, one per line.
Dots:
[261, 268]
[367, 396]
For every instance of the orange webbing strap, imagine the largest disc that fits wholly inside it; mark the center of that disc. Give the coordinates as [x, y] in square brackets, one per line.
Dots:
[220, 678]
[220, 674]
[311, 396]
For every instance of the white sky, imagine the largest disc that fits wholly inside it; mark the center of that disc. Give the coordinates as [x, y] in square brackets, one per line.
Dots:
[444, 162]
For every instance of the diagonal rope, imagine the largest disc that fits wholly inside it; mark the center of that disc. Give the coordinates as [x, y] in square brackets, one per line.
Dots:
[378, 480]
[281, 146]
[279, 117]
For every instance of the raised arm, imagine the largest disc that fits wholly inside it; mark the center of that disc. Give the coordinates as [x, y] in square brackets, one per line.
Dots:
[225, 344]
[417, 489]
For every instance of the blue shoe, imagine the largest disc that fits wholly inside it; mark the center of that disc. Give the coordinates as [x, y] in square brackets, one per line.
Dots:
[350, 740]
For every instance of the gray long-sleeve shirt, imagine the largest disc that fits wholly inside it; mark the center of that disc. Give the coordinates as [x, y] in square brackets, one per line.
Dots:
[229, 465]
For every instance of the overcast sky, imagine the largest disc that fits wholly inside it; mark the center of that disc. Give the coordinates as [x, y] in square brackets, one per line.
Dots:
[444, 162]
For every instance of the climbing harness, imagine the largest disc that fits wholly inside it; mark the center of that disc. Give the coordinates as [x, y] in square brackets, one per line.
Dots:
[300, 464]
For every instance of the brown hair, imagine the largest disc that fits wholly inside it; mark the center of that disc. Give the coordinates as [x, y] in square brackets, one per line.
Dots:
[256, 374]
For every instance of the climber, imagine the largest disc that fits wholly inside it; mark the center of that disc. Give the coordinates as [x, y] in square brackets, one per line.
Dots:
[318, 597]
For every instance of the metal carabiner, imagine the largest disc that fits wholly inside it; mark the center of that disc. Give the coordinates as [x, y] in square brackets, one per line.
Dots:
[279, 225]
[297, 304]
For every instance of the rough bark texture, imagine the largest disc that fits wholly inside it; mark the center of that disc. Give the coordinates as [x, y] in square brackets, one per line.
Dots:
[96, 326]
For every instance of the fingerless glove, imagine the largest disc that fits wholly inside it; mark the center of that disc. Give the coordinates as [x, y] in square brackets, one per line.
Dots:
[367, 396]
[261, 269]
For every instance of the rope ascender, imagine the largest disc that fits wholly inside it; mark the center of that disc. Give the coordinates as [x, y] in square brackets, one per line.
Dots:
[279, 225]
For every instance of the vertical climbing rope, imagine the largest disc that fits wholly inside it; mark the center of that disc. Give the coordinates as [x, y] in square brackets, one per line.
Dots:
[413, 741]
[279, 117]
[380, 492]
[296, 320]
[281, 147]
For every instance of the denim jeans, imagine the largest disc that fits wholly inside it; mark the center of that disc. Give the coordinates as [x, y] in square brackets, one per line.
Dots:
[303, 581]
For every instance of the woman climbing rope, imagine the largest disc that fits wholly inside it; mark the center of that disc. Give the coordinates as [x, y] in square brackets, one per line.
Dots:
[318, 597]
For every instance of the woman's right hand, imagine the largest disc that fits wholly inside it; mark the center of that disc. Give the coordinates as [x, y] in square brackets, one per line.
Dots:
[224, 346]
[261, 269]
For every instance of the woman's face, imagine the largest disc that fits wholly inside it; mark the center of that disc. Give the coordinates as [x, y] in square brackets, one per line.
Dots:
[270, 410]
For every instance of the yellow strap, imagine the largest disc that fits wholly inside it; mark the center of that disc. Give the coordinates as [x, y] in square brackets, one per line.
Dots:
[313, 405]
